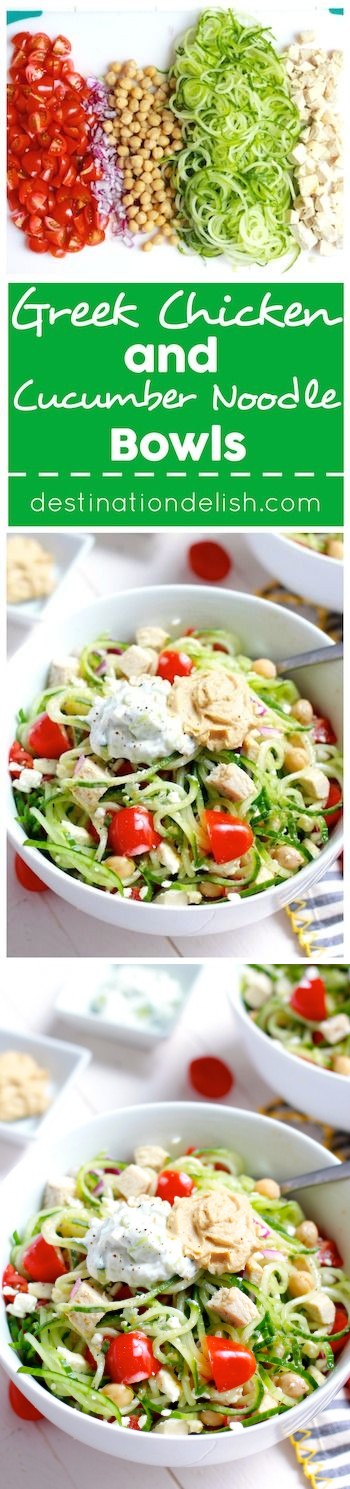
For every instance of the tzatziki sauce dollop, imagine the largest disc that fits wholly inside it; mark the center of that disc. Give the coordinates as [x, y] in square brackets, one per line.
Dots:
[133, 1245]
[134, 722]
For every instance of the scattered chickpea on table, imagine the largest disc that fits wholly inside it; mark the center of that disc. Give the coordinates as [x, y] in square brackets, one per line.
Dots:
[145, 134]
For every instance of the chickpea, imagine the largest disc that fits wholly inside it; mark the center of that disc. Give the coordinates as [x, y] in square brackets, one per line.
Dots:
[268, 1187]
[299, 1283]
[264, 667]
[150, 72]
[147, 245]
[341, 1064]
[158, 239]
[302, 1264]
[110, 78]
[212, 1419]
[122, 152]
[335, 548]
[303, 711]
[307, 1233]
[210, 891]
[291, 1384]
[294, 759]
[288, 858]
[173, 240]
[108, 126]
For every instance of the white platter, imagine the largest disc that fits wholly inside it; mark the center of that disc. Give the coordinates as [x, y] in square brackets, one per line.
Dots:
[150, 34]
[67, 550]
[124, 1026]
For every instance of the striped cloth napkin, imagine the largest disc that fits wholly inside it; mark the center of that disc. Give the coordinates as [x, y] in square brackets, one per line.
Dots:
[323, 1448]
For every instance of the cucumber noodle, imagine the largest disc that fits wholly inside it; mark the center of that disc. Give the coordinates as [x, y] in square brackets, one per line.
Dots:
[233, 177]
[280, 808]
[319, 542]
[267, 992]
[283, 1335]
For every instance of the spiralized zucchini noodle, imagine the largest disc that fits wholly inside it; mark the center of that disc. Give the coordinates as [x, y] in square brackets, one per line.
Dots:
[220, 821]
[307, 1010]
[288, 1309]
[233, 177]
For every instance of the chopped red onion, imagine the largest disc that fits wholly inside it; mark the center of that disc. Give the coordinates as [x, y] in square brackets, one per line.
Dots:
[109, 189]
[75, 1289]
[98, 1189]
[264, 730]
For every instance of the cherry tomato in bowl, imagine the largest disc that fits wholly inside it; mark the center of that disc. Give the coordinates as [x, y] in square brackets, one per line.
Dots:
[43, 1262]
[230, 1362]
[48, 739]
[172, 1184]
[132, 831]
[309, 999]
[228, 837]
[173, 664]
[130, 1358]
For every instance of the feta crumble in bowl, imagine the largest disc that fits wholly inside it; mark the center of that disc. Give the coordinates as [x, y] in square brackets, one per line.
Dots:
[246, 764]
[247, 1262]
[295, 1025]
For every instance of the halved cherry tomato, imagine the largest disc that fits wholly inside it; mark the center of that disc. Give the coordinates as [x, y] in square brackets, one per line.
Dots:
[334, 797]
[130, 1358]
[209, 560]
[61, 46]
[227, 837]
[135, 1424]
[135, 893]
[13, 1279]
[231, 1363]
[173, 1185]
[27, 879]
[309, 999]
[19, 757]
[34, 72]
[47, 738]
[38, 245]
[43, 1262]
[31, 162]
[323, 731]
[21, 1407]
[173, 664]
[328, 1254]
[210, 1077]
[132, 831]
[340, 1322]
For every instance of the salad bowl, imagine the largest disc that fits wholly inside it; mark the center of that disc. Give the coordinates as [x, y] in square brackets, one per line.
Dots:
[301, 569]
[320, 1093]
[263, 628]
[267, 1147]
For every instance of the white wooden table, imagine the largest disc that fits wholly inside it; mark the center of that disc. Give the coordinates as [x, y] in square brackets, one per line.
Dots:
[46, 925]
[33, 1454]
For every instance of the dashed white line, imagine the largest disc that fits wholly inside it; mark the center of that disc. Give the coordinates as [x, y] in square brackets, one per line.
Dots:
[177, 475]
[304, 474]
[143, 474]
[207, 474]
[240, 475]
[272, 474]
[17, 473]
[113, 475]
[80, 472]
[48, 473]
[337, 474]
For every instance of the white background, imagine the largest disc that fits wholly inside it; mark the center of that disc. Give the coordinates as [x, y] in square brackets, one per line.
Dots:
[39, 1454]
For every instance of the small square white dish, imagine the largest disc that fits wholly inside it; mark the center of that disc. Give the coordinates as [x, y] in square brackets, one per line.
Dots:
[67, 550]
[63, 1061]
[134, 1003]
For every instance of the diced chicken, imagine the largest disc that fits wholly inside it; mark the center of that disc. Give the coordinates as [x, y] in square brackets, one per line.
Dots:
[234, 1306]
[168, 1385]
[59, 1191]
[135, 1180]
[90, 1298]
[87, 770]
[63, 670]
[137, 660]
[314, 784]
[169, 858]
[153, 636]
[253, 1268]
[320, 1309]
[232, 782]
[151, 1156]
[335, 1028]
[259, 989]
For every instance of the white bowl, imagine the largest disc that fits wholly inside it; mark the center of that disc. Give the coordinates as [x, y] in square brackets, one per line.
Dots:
[64, 1062]
[267, 1147]
[263, 629]
[318, 1093]
[312, 575]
